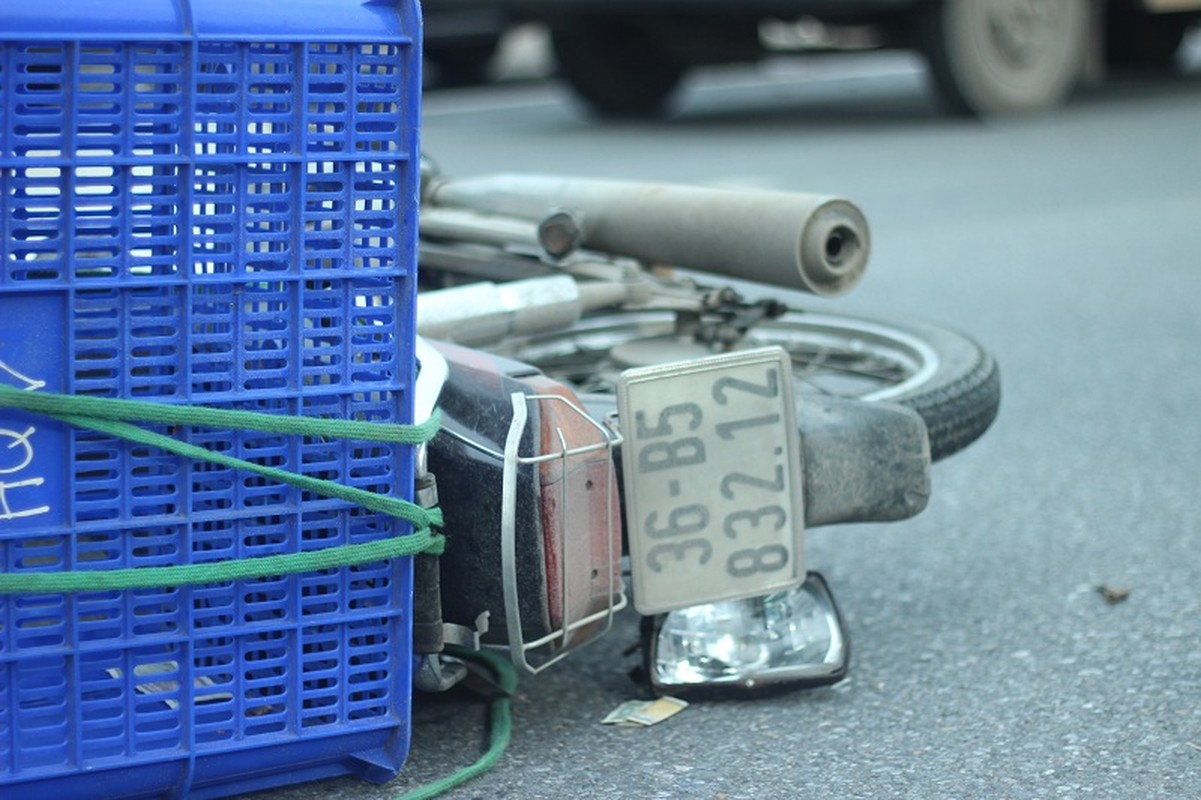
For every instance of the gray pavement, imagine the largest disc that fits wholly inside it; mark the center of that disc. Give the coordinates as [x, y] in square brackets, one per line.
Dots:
[986, 661]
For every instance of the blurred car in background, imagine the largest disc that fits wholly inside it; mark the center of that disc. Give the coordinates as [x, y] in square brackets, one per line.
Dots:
[627, 57]
[461, 38]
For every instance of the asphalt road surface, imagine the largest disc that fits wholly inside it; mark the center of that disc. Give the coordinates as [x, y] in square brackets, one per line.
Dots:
[986, 661]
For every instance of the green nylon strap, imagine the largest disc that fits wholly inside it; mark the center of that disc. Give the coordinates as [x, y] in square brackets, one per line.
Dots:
[51, 404]
[501, 727]
[113, 417]
[105, 415]
[219, 571]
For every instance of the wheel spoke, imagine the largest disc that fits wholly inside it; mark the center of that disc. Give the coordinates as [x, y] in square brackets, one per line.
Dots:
[827, 359]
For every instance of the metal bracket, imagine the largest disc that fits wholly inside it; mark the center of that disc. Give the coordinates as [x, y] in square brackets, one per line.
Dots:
[465, 636]
[609, 439]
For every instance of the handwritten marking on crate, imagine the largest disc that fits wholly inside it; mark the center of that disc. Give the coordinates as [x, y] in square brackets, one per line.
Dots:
[21, 445]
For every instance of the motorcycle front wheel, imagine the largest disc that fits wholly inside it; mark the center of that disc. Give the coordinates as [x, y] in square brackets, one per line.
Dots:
[946, 377]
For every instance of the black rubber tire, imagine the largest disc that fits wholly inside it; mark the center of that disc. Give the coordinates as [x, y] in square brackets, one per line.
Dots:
[955, 388]
[618, 69]
[960, 402]
[1135, 39]
[983, 67]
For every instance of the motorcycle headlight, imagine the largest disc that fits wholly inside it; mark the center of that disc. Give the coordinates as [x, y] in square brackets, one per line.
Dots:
[792, 638]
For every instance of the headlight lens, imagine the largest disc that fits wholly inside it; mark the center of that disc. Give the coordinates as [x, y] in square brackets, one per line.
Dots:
[794, 637]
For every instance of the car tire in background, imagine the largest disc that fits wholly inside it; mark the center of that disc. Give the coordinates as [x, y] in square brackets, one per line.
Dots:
[619, 69]
[1006, 56]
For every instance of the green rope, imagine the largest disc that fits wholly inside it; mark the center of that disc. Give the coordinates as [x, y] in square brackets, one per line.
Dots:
[113, 417]
[501, 728]
[107, 416]
[219, 571]
[55, 405]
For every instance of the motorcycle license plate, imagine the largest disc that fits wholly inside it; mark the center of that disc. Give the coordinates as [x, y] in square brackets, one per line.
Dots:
[712, 470]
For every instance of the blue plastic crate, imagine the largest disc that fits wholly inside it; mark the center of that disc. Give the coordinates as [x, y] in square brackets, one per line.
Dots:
[206, 202]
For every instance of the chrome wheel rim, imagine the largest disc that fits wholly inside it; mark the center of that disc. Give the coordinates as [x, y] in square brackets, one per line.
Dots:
[831, 355]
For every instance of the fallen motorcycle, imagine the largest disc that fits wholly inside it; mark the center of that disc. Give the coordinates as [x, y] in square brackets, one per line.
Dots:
[610, 414]
[207, 380]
